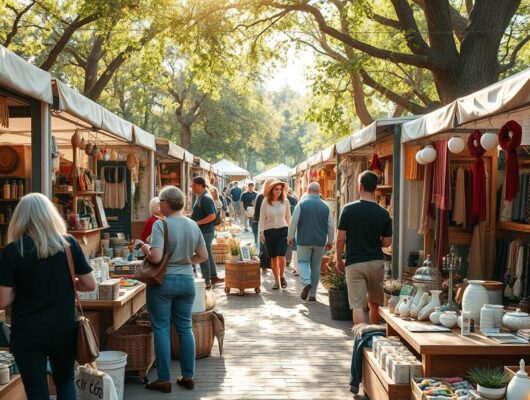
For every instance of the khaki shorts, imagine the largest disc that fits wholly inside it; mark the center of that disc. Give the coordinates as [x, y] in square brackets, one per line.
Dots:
[365, 283]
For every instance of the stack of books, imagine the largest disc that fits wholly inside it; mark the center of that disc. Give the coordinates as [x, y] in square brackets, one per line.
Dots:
[524, 333]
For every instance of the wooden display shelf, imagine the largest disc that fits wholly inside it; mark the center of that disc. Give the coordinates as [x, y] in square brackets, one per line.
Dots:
[63, 192]
[82, 231]
[459, 236]
[377, 384]
[14, 390]
[513, 226]
[87, 193]
[9, 200]
[449, 353]
[384, 187]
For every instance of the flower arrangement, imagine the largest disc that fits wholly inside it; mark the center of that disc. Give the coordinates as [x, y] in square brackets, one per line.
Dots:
[392, 287]
[253, 251]
[233, 245]
[333, 280]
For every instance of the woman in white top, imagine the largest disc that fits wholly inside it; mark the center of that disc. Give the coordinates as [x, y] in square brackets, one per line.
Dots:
[217, 201]
[274, 220]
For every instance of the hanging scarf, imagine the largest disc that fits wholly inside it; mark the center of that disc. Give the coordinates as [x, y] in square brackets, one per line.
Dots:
[374, 164]
[509, 145]
[479, 175]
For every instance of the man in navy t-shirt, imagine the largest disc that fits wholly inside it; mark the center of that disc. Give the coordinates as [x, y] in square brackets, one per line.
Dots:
[365, 227]
[235, 193]
[203, 213]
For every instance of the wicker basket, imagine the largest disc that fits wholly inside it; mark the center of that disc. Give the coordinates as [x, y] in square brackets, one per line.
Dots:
[203, 332]
[138, 342]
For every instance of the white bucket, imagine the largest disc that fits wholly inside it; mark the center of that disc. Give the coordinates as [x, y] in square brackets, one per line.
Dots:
[199, 303]
[113, 363]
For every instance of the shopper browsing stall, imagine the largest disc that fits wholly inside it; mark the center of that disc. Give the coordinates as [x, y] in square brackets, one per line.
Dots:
[275, 217]
[365, 227]
[154, 209]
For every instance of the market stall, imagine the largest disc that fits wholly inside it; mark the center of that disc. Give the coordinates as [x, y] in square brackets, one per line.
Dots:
[231, 171]
[281, 171]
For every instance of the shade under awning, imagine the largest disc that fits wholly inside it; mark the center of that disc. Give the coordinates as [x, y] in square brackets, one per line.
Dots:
[23, 77]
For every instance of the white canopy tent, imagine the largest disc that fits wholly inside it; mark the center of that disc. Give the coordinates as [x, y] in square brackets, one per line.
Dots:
[281, 171]
[231, 170]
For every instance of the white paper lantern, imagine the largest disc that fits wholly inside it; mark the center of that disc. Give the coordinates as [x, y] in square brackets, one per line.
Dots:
[489, 141]
[428, 154]
[419, 159]
[456, 144]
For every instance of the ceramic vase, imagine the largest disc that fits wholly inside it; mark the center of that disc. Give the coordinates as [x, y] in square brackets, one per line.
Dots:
[396, 310]
[448, 319]
[424, 313]
[435, 316]
[491, 394]
[416, 307]
[392, 303]
[417, 297]
[519, 386]
[404, 308]
[475, 296]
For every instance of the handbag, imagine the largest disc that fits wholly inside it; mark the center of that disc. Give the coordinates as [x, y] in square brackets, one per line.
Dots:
[249, 212]
[87, 347]
[153, 274]
[218, 219]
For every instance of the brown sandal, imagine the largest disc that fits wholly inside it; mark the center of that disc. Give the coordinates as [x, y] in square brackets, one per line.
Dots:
[284, 283]
[276, 286]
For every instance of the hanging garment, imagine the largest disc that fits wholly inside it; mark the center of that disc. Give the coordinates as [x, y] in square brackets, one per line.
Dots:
[524, 194]
[517, 201]
[442, 235]
[477, 252]
[505, 213]
[517, 286]
[414, 205]
[459, 211]
[441, 191]
[425, 219]
[470, 220]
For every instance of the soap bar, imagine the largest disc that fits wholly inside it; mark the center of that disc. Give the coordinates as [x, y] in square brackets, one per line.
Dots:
[109, 290]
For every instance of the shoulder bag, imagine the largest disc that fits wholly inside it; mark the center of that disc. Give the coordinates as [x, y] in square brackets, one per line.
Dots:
[150, 273]
[87, 347]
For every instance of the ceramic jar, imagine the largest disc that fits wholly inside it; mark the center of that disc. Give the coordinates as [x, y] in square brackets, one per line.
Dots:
[424, 313]
[448, 319]
[516, 320]
[490, 393]
[392, 303]
[435, 316]
[418, 295]
[487, 318]
[475, 296]
[416, 307]
[519, 386]
[498, 310]
[404, 308]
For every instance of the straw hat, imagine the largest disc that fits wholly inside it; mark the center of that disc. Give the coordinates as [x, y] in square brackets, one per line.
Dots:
[269, 187]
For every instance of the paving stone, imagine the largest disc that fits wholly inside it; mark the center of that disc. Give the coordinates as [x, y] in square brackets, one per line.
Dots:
[276, 347]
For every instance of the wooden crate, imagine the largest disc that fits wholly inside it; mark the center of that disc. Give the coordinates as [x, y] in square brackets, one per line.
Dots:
[242, 275]
[377, 384]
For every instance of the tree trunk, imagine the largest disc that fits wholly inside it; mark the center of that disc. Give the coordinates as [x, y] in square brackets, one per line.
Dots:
[91, 71]
[359, 101]
[185, 136]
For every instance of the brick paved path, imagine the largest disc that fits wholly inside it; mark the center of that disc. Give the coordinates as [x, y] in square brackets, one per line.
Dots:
[276, 347]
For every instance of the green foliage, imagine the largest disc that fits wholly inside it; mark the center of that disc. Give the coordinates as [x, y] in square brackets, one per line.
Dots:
[493, 378]
[333, 280]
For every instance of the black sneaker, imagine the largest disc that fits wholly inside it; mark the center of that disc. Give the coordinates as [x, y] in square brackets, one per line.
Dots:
[311, 298]
[305, 292]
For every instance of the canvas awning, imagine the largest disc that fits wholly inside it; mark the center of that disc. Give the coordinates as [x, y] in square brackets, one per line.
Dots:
[441, 120]
[116, 125]
[144, 139]
[328, 153]
[230, 169]
[188, 157]
[23, 77]
[78, 105]
[303, 166]
[315, 159]
[281, 171]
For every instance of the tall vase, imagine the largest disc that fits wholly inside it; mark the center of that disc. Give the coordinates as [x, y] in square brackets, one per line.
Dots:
[418, 295]
[424, 313]
[392, 303]
[416, 307]
[475, 296]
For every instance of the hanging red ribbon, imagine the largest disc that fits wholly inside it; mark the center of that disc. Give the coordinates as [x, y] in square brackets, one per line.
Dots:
[509, 145]
[479, 175]
[374, 164]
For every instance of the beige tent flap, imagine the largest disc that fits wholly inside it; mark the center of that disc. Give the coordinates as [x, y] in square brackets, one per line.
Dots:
[116, 125]
[343, 146]
[303, 166]
[293, 171]
[315, 159]
[188, 157]
[144, 139]
[204, 165]
[364, 137]
[437, 121]
[19, 75]
[328, 153]
[509, 94]
[78, 105]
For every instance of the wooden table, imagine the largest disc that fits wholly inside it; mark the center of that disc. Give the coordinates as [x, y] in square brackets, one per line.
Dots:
[115, 312]
[14, 390]
[449, 353]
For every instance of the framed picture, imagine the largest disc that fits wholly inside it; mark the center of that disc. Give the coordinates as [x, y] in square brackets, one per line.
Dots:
[100, 211]
[90, 210]
[245, 253]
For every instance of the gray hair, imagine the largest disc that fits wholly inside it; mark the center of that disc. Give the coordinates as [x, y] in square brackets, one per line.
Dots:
[314, 187]
[173, 196]
[153, 205]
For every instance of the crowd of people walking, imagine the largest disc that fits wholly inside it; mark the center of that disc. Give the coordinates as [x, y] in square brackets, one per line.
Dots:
[285, 230]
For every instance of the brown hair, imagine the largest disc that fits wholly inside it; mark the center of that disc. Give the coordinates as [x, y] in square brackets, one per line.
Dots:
[282, 194]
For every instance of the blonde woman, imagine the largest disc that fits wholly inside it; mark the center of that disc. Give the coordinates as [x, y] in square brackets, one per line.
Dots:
[44, 314]
[154, 210]
[216, 201]
[274, 220]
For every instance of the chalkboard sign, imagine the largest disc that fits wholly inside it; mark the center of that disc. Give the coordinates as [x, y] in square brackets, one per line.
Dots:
[245, 253]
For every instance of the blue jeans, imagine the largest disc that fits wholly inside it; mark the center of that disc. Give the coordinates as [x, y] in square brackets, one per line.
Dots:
[173, 299]
[209, 268]
[32, 359]
[309, 259]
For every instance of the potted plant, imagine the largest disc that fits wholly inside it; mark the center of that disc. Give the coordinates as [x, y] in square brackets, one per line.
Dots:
[392, 288]
[338, 295]
[234, 246]
[491, 382]
[326, 259]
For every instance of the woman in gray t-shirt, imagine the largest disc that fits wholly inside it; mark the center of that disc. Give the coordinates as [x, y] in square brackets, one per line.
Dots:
[174, 297]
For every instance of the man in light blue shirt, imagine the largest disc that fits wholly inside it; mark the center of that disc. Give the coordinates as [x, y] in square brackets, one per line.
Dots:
[312, 223]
